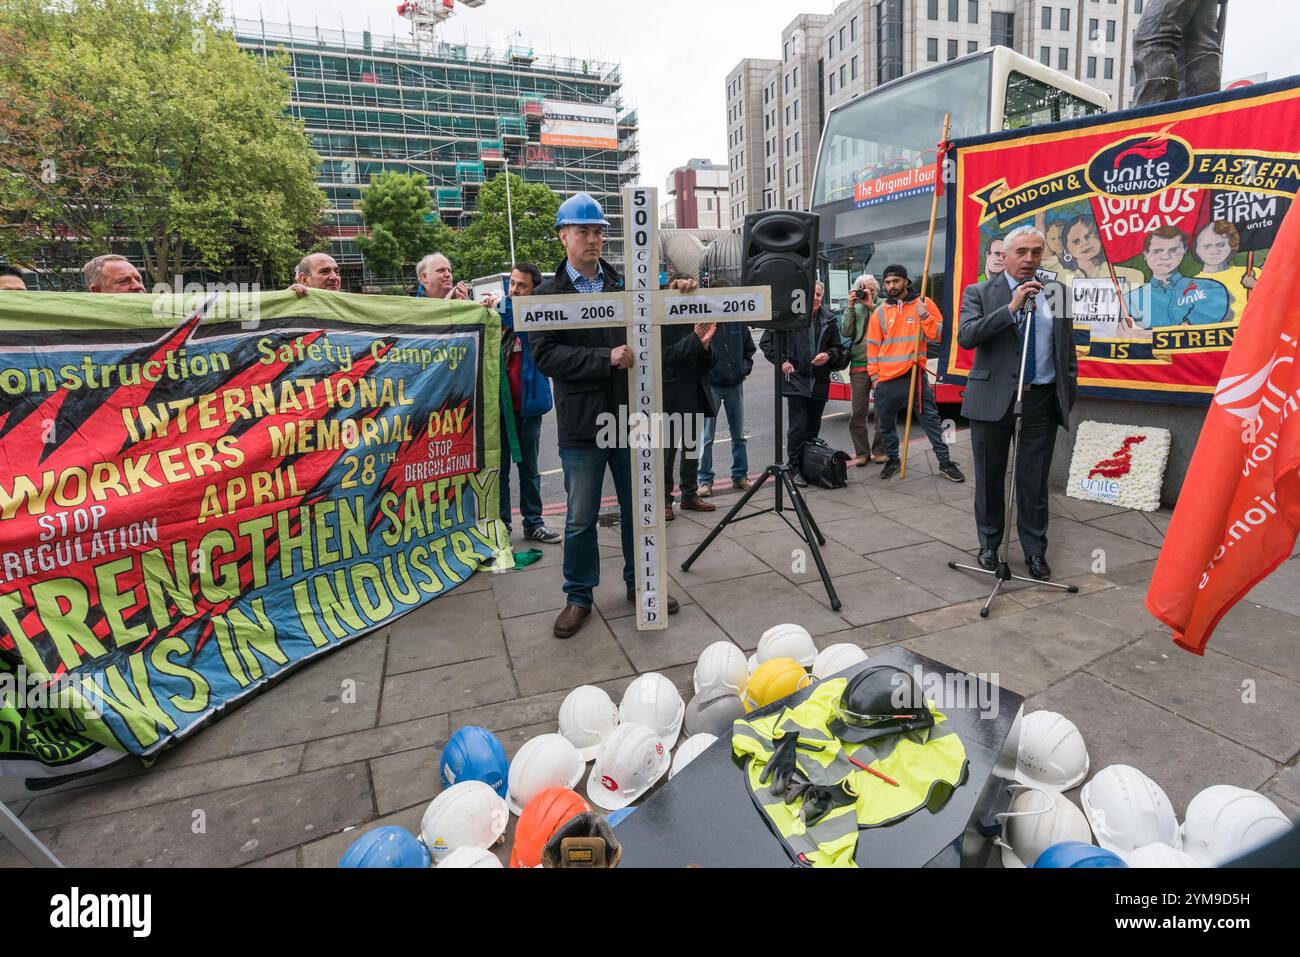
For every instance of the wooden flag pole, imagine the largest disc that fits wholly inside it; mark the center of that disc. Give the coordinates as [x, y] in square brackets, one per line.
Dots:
[912, 386]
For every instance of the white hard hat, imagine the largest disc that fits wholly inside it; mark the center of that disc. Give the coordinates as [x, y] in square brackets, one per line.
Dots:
[1160, 855]
[468, 814]
[691, 749]
[628, 764]
[833, 659]
[1128, 810]
[1223, 822]
[784, 641]
[470, 857]
[721, 665]
[586, 716]
[653, 701]
[1051, 754]
[1036, 820]
[546, 761]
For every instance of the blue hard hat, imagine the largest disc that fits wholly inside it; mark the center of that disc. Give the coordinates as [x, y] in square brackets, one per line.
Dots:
[386, 847]
[474, 754]
[615, 816]
[580, 210]
[1078, 854]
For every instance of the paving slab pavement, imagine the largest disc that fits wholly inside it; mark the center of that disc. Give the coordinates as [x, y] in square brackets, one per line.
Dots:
[352, 740]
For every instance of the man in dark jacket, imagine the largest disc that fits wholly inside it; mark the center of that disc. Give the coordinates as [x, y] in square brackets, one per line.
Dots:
[995, 322]
[530, 394]
[588, 368]
[811, 355]
[687, 359]
[733, 354]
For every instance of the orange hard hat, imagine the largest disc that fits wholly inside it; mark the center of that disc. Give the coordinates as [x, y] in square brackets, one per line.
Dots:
[542, 817]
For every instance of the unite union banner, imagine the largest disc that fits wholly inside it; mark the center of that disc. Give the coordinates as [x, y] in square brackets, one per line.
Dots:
[1159, 224]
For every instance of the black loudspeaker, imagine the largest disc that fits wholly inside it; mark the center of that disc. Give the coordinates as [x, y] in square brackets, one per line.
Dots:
[779, 249]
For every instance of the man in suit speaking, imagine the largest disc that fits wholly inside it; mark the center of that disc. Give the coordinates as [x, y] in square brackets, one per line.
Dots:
[992, 322]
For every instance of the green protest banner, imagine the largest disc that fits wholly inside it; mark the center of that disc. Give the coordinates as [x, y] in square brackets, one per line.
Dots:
[199, 494]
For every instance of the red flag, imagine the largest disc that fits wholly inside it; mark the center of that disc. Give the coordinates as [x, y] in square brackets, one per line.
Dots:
[1239, 511]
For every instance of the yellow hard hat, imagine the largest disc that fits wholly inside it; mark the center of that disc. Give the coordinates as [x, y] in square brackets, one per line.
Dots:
[773, 680]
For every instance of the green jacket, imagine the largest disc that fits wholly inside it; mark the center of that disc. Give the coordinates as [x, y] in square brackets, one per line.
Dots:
[853, 326]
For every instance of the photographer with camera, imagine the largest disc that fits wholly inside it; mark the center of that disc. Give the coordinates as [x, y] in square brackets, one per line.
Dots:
[853, 327]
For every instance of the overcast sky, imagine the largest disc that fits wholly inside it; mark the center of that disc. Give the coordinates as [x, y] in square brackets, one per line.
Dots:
[676, 54]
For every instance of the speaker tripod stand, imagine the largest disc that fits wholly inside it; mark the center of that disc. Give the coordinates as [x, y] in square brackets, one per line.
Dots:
[1002, 570]
[779, 472]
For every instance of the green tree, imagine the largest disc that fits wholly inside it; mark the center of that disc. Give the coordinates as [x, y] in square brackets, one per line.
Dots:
[398, 210]
[195, 163]
[382, 252]
[483, 247]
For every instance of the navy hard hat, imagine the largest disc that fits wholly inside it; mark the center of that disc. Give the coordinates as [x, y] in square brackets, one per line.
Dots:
[580, 210]
[389, 846]
[474, 754]
[1078, 854]
[878, 702]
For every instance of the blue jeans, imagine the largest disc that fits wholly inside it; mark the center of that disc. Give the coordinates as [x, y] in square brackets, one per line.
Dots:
[529, 431]
[584, 478]
[732, 399]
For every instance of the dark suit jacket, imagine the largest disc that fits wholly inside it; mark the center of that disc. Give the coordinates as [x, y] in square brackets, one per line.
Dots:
[800, 347]
[577, 362]
[987, 326]
[686, 366]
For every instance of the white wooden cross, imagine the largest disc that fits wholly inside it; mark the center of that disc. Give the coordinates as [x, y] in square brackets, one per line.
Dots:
[642, 308]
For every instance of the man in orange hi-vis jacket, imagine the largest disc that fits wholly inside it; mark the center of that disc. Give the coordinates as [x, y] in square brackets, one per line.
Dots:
[891, 345]
[1239, 510]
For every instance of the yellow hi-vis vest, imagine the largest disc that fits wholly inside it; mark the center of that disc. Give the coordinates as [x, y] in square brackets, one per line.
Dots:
[928, 766]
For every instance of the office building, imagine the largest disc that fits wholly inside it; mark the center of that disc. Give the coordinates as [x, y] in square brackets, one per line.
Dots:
[456, 114]
[776, 108]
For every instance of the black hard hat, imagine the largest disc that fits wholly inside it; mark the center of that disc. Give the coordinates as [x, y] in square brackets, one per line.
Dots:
[878, 702]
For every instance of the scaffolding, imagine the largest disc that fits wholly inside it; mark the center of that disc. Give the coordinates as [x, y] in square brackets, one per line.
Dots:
[455, 114]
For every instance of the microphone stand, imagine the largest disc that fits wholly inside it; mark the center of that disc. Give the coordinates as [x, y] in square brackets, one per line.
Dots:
[1002, 573]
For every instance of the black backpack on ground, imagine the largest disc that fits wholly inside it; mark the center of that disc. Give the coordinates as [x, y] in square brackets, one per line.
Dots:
[823, 465]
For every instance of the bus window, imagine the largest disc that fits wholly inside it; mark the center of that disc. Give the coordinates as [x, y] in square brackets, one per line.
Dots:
[896, 129]
[1032, 102]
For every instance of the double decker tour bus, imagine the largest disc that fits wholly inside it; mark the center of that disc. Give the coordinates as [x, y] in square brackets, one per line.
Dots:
[876, 167]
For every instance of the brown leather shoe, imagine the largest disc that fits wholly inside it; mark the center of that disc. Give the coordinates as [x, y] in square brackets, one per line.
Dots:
[669, 514]
[570, 620]
[696, 504]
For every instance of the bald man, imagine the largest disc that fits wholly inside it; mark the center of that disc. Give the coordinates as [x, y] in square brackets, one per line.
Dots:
[316, 271]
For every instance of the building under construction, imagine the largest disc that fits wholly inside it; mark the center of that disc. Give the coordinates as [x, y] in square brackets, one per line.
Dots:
[456, 114]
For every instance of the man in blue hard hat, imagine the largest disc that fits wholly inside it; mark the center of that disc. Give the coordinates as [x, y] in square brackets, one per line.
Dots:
[588, 368]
